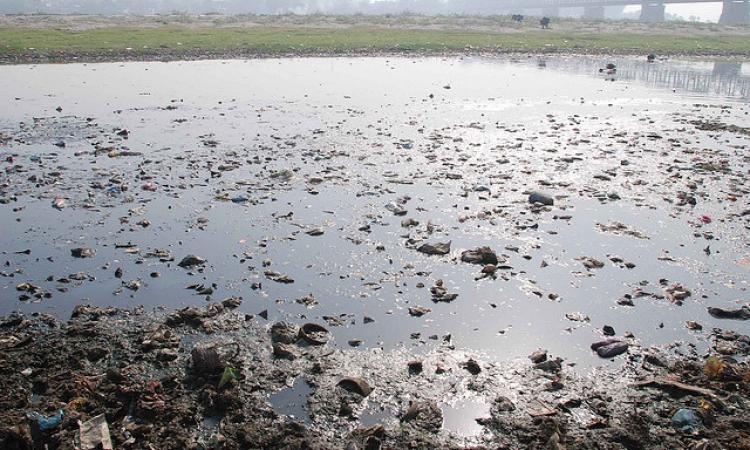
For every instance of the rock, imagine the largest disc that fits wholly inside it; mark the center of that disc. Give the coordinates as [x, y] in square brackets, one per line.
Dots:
[396, 209]
[538, 356]
[440, 294]
[503, 404]
[314, 334]
[472, 367]
[439, 248]
[133, 285]
[424, 415]
[83, 252]
[550, 365]
[231, 302]
[554, 385]
[625, 301]
[355, 384]
[481, 255]
[317, 231]
[285, 333]
[654, 360]
[415, 367]
[591, 263]
[577, 317]
[191, 261]
[59, 203]
[278, 277]
[608, 330]
[742, 313]
[609, 348]
[193, 316]
[676, 293]
[373, 443]
[307, 300]
[371, 438]
[115, 376]
[538, 197]
[407, 223]
[96, 353]
[166, 354]
[692, 325]
[418, 311]
[286, 351]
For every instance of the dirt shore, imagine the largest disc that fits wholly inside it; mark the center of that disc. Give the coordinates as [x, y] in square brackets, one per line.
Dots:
[200, 378]
[171, 55]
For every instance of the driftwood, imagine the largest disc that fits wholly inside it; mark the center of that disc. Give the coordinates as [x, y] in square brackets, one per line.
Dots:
[672, 384]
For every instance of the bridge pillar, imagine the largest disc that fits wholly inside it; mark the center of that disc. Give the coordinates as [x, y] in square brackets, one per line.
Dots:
[652, 11]
[551, 11]
[735, 12]
[593, 12]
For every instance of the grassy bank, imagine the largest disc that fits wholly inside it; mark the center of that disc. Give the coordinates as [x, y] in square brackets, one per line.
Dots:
[20, 41]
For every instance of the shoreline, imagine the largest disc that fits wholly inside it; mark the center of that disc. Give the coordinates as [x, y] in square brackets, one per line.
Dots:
[124, 56]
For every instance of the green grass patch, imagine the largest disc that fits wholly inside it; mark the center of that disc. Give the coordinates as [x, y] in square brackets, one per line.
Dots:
[285, 39]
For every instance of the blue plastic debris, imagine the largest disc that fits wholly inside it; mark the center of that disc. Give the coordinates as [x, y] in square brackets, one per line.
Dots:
[685, 419]
[46, 422]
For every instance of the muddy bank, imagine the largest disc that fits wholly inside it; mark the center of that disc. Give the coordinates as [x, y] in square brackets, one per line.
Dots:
[201, 378]
[170, 55]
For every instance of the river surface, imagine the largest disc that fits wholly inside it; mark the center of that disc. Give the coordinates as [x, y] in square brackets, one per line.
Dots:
[244, 163]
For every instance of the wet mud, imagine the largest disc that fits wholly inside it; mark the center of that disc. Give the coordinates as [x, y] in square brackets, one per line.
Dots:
[148, 374]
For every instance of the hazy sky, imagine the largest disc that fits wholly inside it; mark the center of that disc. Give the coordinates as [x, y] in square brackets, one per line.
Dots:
[706, 12]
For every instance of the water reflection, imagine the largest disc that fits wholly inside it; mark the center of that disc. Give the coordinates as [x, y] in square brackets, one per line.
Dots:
[292, 401]
[727, 69]
[723, 78]
[260, 111]
[461, 417]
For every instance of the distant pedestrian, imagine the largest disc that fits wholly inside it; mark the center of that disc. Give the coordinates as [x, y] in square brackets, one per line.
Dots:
[544, 22]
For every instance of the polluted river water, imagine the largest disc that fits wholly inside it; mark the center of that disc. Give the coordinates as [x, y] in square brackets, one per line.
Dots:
[306, 187]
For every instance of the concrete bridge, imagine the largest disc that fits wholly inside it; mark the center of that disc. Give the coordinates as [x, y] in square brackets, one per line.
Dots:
[733, 11]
